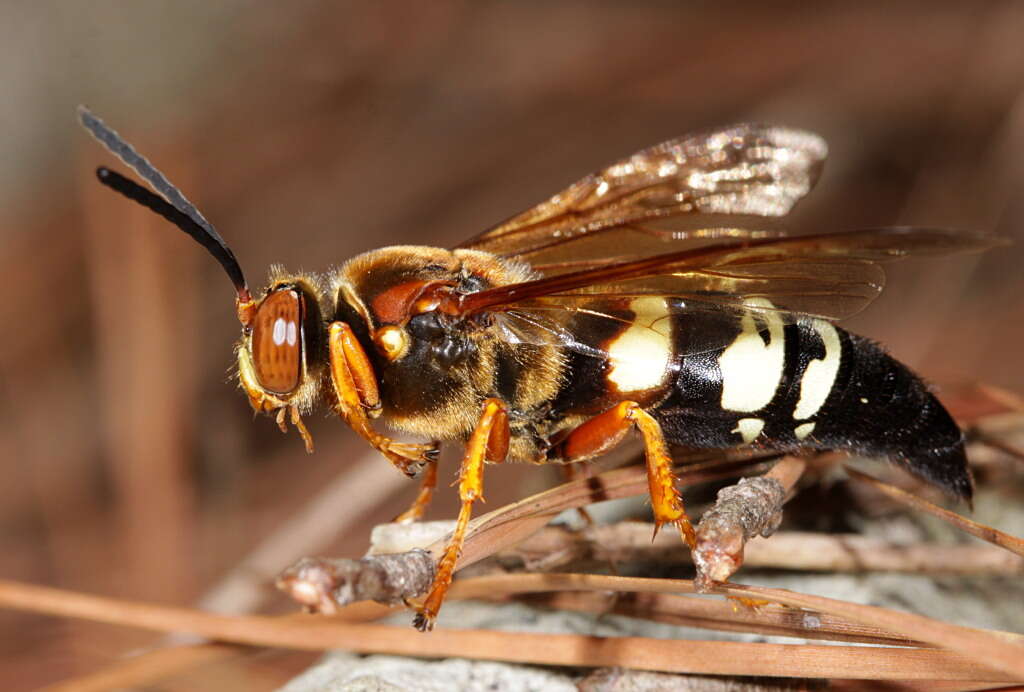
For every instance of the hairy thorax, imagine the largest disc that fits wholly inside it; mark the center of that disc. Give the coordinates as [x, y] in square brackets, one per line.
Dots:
[436, 370]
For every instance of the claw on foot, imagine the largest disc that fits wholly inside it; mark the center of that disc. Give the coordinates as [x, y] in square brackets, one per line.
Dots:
[685, 531]
[420, 453]
[423, 622]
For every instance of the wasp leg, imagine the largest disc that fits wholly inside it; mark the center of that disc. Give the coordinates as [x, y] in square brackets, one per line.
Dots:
[355, 387]
[422, 501]
[363, 379]
[488, 441]
[605, 430]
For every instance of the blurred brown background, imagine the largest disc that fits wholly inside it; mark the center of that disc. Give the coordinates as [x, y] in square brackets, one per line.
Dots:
[312, 131]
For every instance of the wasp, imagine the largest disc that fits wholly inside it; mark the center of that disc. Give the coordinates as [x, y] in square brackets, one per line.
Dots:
[551, 336]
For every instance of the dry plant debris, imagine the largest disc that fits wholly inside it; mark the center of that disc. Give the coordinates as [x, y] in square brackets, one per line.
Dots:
[752, 507]
[324, 584]
[916, 651]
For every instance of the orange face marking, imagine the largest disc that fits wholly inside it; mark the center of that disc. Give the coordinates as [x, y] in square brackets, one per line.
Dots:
[277, 341]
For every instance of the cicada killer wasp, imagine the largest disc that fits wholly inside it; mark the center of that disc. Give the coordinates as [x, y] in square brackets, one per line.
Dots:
[549, 337]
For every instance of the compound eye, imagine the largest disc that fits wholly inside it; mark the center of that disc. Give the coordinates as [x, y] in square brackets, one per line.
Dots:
[277, 341]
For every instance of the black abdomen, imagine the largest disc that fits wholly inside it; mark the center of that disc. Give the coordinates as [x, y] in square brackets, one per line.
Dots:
[811, 385]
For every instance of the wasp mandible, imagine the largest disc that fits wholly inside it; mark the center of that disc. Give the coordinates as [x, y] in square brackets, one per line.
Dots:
[549, 337]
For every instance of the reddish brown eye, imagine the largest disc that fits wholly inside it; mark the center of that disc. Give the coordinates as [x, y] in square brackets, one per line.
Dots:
[277, 341]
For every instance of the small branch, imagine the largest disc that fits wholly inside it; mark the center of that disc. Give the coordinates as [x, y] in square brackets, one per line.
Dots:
[557, 547]
[745, 510]
[973, 654]
[324, 584]
[986, 533]
[718, 614]
[999, 650]
[752, 507]
[854, 553]
[506, 526]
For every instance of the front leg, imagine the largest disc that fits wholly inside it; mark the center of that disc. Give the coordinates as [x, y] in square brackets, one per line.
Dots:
[489, 442]
[355, 388]
[606, 430]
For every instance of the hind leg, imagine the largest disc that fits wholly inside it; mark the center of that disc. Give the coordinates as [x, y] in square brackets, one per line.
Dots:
[606, 430]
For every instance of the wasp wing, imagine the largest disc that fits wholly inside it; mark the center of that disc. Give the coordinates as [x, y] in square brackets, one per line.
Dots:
[830, 276]
[747, 169]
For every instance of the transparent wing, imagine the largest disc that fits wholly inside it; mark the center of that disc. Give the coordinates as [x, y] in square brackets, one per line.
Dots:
[838, 270]
[578, 324]
[747, 169]
[830, 276]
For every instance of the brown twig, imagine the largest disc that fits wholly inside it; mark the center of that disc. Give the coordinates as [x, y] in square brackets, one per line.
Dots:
[322, 585]
[510, 524]
[630, 542]
[1001, 650]
[752, 507]
[986, 533]
[716, 614]
[987, 652]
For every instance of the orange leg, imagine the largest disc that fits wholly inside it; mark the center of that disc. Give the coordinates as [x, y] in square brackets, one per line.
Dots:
[422, 501]
[604, 431]
[486, 440]
[356, 388]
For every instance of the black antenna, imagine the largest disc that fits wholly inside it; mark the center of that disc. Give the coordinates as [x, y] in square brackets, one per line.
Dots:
[168, 202]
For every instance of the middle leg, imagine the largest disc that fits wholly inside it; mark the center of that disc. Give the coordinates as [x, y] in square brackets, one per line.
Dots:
[489, 442]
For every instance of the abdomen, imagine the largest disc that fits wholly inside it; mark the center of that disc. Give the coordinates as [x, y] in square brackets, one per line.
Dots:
[808, 385]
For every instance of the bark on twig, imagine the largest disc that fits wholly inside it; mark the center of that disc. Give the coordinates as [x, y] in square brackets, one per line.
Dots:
[752, 507]
[324, 584]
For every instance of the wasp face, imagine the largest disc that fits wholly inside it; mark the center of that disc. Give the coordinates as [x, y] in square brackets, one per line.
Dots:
[280, 354]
